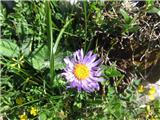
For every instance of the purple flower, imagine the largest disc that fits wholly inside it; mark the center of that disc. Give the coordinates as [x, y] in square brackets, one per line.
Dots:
[83, 71]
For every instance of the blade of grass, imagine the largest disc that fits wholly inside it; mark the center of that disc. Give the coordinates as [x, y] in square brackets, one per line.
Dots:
[67, 33]
[60, 35]
[85, 20]
[50, 38]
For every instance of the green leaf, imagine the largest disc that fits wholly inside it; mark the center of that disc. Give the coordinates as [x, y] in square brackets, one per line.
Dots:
[4, 108]
[112, 72]
[59, 60]
[40, 57]
[42, 116]
[125, 15]
[111, 91]
[154, 10]
[8, 48]
[149, 3]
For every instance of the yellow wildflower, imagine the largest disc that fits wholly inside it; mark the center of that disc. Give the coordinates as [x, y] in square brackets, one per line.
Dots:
[151, 97]
[152, 90]
[151, 93]
[34, 111]
[140, 88]
[19, 101]
[23, 117]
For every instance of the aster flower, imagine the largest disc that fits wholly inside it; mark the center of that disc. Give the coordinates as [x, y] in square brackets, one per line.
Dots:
[83, 71]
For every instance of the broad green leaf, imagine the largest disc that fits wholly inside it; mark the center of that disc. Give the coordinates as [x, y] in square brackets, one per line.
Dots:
[8, 48]
[59, 60]
[26, 48]
[40, 57]
[42, 116]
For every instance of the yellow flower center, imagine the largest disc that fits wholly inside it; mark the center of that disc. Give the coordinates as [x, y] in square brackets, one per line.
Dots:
[81, 71]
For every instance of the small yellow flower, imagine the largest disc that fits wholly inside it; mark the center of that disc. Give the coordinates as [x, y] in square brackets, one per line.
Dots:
[151, 93]
[19, 101]
[151, 97]
[140, 88]
[23, 117]
[34, 111]
[152, 90]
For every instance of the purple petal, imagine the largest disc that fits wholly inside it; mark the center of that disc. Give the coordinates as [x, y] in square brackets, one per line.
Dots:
[68, 62]
[94, 85]
[96, 79]
[85, 86]
[87, 57]
[91, 59]
[93, 64]
[80, 55]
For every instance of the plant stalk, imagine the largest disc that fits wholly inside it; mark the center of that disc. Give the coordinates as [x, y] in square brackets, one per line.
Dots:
[50, 38]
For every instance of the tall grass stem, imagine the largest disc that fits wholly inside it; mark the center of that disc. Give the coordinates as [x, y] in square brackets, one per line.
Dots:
[85, 20]
[50, 38]
[60, 35]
